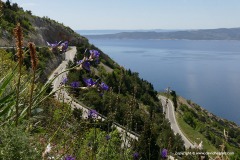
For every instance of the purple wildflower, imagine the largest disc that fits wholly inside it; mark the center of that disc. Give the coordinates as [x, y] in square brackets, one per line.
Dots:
[85, 64]
[135, 156]
[75, 84]
[79, 62]
[94, 55]
[164, 153]
[103, 86]
[92, 113]
[64, 46]
[64, 81]
[69, 158]
[54, 45]
[108, 137]
[89, 82]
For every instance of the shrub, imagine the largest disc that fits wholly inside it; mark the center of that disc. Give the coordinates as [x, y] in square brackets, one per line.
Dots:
[16, 143]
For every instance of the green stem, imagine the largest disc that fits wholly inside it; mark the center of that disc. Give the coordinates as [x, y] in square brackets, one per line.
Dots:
[94, 147]
[50, 139]
[31, 94]
[108, 142]
[18, 88]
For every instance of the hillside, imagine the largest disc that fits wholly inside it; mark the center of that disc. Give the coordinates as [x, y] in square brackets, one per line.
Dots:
[208, 124]
[36, 124]
[198, 124]
[205, 34]
[36, 29]
[31, 116]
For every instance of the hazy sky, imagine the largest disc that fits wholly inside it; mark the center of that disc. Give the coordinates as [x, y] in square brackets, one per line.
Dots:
[138, 14]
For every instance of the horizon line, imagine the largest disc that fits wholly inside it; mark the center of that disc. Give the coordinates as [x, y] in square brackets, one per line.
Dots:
[161, 29]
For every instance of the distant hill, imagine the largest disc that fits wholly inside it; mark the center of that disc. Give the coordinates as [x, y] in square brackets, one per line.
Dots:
[114, 31]
[36, 29]
[205, 34]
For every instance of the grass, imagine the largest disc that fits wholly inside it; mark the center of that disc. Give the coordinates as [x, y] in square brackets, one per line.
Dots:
[194, 135]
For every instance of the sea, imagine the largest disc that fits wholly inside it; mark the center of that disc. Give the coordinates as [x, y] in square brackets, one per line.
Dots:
[206, 72]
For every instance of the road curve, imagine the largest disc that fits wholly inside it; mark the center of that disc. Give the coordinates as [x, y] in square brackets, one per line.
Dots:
[170, 115]
[127, 136]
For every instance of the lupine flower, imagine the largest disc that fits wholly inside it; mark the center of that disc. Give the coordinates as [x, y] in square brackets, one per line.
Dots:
[89, 82]
[108, 137]
[79, 62]
[84, 64]
[135, 156]
[64, 46]
[75, 84]
[103, 86]
[92, 114]
[164, 153]
[69, 158]
[64, 81]
[54, 45]
[94, 55]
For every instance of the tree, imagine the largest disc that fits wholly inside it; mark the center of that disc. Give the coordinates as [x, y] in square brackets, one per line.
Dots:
[29, 12]
[174, 99]
[8, 4]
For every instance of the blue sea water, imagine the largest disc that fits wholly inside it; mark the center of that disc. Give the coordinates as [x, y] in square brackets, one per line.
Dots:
[207, 72]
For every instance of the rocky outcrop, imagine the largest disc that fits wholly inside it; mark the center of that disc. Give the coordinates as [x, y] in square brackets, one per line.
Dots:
[42, 30]
[51, 64]
[49, 30]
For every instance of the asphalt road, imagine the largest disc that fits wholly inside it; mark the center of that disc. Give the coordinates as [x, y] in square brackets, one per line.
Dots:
[62, 95]
[170, 115]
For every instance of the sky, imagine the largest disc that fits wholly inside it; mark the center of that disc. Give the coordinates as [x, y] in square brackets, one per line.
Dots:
[138, 14]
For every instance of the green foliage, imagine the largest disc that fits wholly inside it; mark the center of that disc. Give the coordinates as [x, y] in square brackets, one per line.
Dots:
[17, 143]
[174, 99]
[210, 127]
[194, 135]
[189, 119]
[72, 135]
[105, 149]
[8, 89]
[132, 102]
[7, 99]
[13, 14]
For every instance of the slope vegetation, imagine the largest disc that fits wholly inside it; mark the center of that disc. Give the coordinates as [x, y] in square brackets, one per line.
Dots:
[36, 29]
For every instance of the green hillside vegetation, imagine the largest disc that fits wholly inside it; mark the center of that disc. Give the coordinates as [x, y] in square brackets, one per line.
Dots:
[36, 29]
[51, 122]
[207, 127]
[11, 15]
[54, 123]
[36, 125]
[131, 101]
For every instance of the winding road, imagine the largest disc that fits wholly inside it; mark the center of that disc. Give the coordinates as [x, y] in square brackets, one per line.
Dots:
[170, 115]
[62, 95]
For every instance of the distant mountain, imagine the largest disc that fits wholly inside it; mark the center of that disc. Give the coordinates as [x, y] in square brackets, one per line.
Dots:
[205, 34]
[114, 31]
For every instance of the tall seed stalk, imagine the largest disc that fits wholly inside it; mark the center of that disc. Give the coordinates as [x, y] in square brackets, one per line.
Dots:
[34, 62]
[19, 44]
